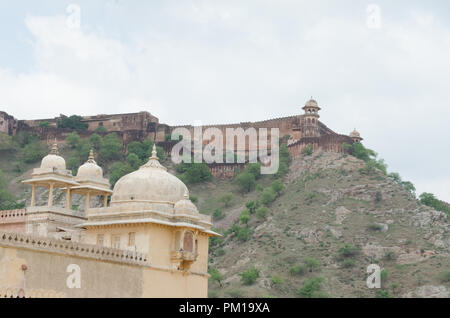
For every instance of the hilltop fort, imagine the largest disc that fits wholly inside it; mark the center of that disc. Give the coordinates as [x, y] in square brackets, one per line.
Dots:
[301, 129]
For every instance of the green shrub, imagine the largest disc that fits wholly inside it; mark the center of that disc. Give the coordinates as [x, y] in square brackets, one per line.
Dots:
[216, 276]
[277, 280]
[226, 199]
[268, 196]
[380, 293]
[193, 198]
[277, 187]
[311, 263]
[250, 276]
[298, 269]
[245, 217]
[218, 214]
[7, 200]
[390, 256]
[44, 124]
[311, 287]
[252, 206]
[308, 150]
[262, 212]
[347, 251]
[444, 277]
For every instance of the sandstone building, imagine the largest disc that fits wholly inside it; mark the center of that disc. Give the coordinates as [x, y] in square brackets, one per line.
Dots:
[150, 241]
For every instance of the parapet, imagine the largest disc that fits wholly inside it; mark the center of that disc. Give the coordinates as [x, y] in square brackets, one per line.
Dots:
[50, 245]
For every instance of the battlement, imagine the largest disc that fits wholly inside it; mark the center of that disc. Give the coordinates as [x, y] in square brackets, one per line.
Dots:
[51, 245]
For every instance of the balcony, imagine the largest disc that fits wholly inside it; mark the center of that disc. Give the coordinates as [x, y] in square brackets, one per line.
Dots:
[183, 259]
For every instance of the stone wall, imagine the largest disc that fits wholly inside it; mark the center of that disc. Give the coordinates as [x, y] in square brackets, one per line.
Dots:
[40, 267]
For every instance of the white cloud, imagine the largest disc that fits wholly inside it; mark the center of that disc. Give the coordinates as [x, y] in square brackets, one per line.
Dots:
[229, 61]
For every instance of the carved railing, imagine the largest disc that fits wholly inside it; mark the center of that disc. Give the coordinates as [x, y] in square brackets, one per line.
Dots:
[71, 248]
[12, 216]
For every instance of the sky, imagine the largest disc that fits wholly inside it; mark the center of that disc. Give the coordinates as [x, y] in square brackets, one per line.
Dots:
[381, 67]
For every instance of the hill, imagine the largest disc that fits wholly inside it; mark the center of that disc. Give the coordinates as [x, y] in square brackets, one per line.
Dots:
[330, 222]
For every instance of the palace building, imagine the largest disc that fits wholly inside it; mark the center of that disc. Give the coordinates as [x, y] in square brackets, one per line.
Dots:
[149, 241]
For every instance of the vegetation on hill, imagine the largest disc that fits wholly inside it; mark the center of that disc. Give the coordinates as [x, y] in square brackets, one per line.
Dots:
[72, 122]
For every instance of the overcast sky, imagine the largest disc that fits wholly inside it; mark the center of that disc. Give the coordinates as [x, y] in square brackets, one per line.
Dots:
[231, 61]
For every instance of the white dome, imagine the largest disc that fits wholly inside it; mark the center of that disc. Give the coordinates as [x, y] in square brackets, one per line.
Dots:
[53, 160]
[185, 207]
[90, 168]
[311, 103]
[355, 134]
[151, 183]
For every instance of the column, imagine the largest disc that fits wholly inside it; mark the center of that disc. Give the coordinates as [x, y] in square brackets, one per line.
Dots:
[68, 199]
[87, 202]
[33, 194]
[50, 195]
[105, 200]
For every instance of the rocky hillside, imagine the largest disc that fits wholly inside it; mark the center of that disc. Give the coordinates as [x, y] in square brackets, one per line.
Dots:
[329, 223]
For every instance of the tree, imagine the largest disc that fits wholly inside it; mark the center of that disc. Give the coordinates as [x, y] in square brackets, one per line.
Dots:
[34, 151]
[96, 141]
[137, 148]
[117, 170]
[277, 187]
[134, 161]
[249, 277]
[101, 130]
[430, 200]
[226, 199]
[72, 122]
[6, 142]
[111, 148]
[254, 169]
[216, 276]
[73, 140]
[246, 181]
[196, 172]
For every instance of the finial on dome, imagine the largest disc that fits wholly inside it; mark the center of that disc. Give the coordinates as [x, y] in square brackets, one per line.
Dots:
[91, 156]
[154, 153]
[54, 150]
[186, 195]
